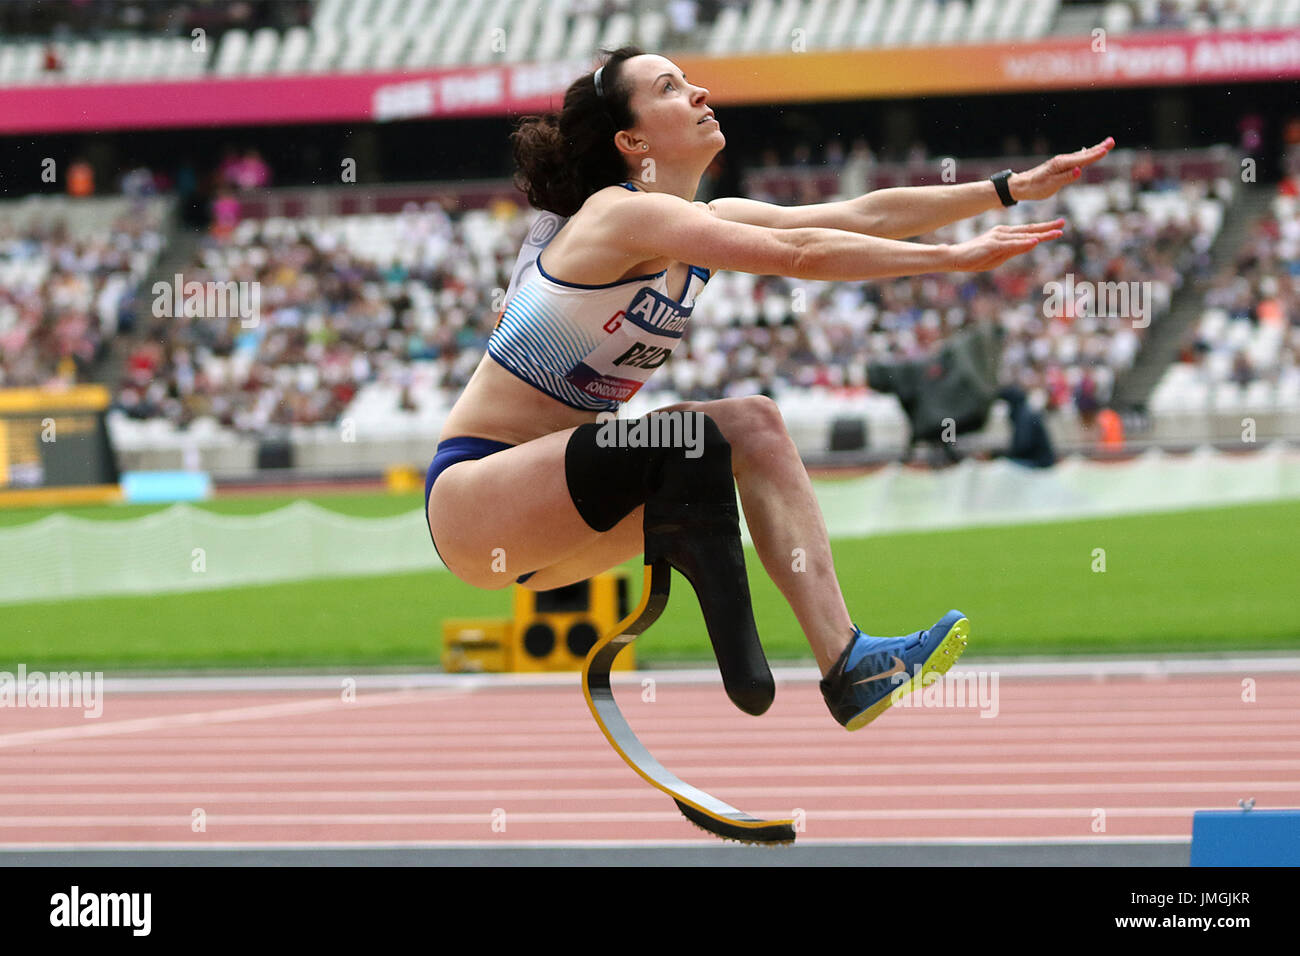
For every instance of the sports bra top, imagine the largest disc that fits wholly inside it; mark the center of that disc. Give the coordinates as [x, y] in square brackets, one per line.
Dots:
[588, 346]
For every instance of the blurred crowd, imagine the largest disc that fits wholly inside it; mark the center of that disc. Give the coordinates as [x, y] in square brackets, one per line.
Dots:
[1259, 289]
[95, 18]
[330, 321]
[64, 298]
[409, 303]
[1067, 360]
[336, 316]
[1177, 15]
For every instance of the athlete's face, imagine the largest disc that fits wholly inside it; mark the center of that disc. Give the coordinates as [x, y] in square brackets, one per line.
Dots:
[673, 116]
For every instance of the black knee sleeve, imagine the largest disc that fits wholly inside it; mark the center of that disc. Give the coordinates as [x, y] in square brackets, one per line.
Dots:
[692, 522]
[609, 477]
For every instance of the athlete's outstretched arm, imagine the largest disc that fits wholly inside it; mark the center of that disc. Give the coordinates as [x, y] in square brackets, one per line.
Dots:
[905, 212]
[642, 227]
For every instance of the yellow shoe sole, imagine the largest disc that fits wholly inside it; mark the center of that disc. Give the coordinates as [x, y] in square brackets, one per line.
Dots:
[938, 663]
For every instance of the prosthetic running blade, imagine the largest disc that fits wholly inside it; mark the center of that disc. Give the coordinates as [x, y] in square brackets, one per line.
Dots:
[704, 810]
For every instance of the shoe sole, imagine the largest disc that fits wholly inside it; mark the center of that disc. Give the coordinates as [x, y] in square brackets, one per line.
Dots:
[943, 657]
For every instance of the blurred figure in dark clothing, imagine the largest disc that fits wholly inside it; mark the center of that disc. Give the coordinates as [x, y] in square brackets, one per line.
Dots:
[1030, 444]
[947, 394]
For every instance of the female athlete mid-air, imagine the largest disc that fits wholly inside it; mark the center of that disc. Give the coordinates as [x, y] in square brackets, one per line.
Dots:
[599, 297]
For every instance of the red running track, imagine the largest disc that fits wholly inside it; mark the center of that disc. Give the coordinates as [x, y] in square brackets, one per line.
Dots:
[1062, 760]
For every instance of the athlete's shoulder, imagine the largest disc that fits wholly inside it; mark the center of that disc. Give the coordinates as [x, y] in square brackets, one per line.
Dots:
[627, 193]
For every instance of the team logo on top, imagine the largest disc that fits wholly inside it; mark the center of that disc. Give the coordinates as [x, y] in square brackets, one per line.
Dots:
[544, 229]
[658, 313]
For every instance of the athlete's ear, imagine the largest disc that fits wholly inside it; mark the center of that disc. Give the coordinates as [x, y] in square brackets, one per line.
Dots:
[626, 142]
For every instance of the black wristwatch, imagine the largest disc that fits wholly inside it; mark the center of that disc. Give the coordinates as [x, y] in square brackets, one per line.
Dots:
[1004, 191]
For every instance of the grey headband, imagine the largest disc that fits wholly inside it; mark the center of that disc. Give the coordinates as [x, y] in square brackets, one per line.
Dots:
[596, 78]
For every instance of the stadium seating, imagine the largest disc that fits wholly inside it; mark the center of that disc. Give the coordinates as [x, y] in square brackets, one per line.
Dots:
[421, 34]
[1120, 16]
[1245, 351]
[67, 280]
[379, 320]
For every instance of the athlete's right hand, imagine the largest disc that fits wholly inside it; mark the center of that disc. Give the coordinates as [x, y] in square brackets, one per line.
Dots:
[1001, 243]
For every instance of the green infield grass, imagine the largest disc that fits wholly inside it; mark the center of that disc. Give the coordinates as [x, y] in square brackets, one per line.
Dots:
[1221, 580]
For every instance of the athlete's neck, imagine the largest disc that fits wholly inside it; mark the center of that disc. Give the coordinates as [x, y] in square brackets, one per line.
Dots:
[650, 180]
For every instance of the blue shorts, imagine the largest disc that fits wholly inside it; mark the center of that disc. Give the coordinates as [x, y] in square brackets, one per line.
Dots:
[450, 452]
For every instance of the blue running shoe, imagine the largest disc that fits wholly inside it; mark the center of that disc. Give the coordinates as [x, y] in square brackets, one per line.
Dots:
[873, 672]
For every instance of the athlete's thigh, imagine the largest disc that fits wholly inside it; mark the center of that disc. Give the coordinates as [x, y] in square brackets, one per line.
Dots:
[736, 418]
[498, 517]
[623, 542]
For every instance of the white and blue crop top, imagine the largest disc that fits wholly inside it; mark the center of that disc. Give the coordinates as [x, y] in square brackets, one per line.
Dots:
[588, 346]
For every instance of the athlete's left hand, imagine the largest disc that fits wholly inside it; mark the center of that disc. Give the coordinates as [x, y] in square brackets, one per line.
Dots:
[1047, 178]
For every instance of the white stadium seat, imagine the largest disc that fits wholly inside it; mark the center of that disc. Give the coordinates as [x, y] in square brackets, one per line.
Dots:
[581, 41]
[388, 52]
[420, 53]
[1009, 19]
[870, 22]
[20, 63]
[359, 42]
[837, 26]
[756, 26]
[900, 16]
[79, 63]
[551, 39]
[925, 27]
[112, 55]
[726, 28]
[232, 53]
[651, 27]
[358, 14]
[1039, 17]
[262, 51]
[782, 25]
[413, 15]
[328, 15]
[293, 51]
[522, 31]
[982, 20]
[813, 22]
[620, 30]
[489, 45]
[952, 25]
[325, 50]
[143, 58]
[1117, 17]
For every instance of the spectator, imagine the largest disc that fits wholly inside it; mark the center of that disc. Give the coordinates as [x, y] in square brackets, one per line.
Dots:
[251, 172]
[855, 177]
[81, 178]
[225, 214]
[1243, 373]
[682, 18]
[1030, 446]
[1111, 427]
[1085, 396]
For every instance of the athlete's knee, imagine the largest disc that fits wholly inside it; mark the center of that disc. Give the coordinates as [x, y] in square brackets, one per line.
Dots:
[765, 413]
[758, 435]
[490, 571]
